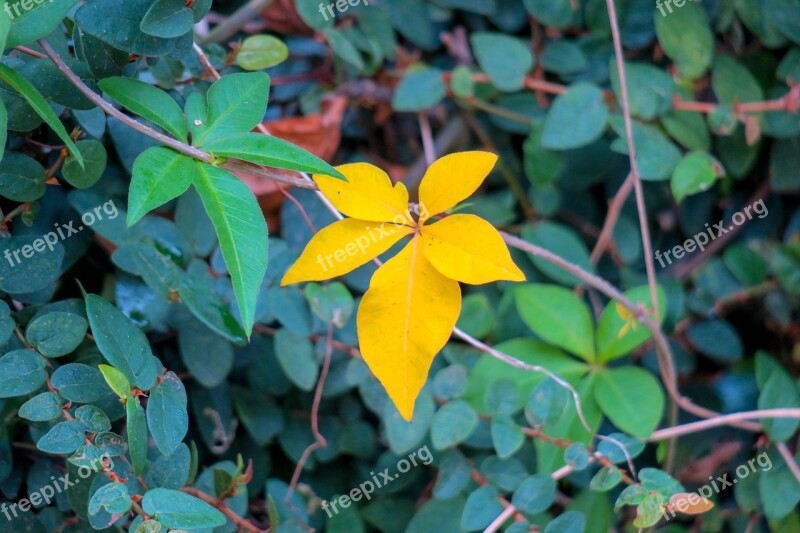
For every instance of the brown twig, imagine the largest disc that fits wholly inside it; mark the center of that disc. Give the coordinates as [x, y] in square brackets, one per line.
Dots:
[606, 238]
[191, 151]
[319, 440]
[240, 522]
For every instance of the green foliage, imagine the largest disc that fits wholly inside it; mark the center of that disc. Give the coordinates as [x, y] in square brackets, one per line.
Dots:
[184, 377]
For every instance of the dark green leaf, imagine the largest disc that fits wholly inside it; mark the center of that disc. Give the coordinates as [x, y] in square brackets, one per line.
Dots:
[167, 417]
[21, 372]
[178, 510]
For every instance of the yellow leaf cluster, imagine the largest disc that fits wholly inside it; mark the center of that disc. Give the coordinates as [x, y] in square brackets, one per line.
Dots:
[414, 299]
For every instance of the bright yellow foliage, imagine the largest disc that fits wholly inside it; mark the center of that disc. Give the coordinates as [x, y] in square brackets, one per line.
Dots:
[413, 301]
[403, 321]
[367, 195]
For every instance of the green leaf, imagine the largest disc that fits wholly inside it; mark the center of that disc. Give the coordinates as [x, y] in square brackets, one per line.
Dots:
[118, 23]
[40, 105]
[563, 241]
[505, 59]
[419, 89]
[236, 104]
[30, 265]
[507, 437]
[42, 407]
[632, 398]
[259, 413]
[167, 18]
[649, 89]
[613, 452]
[148, 102]
[547, 403]
[556, 13]
[64, 437]
[137, 434]
[686, 37]
[482, 507]
[80, 383]
[167, 417]
[577, 118]
[95, 159]
[452, 423]
[779, 489]
[178, 510]
[332, 302]
[343, 48]
[270, 151]
[123, 344]
[93, 419]
[779, 391]
[261, 51]
[56, 334]
[21, 178]
[113, 497]
[733, 83]
[656, 155]
[5, 26]
[696, 173]
[610, 344]
[558, 316]
[535, 494]
[295, 356]
[569, 522]
[405, 436]
[716, 339]
[606, 479]
[159, 175]
[241, 230]
[3, 125]
[206, 355]
[37, 21]
[21, 372]
[117, 381]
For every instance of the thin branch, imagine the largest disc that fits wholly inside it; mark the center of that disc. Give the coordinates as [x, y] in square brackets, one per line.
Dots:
[191, 151]
[240, 522]
[231, 25]
[498, 522]
[319, 440]
[606, 238]
[788, 459]
[732, 419]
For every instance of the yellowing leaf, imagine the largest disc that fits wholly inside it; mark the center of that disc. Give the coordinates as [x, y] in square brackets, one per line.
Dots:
[343, 246]
[367, 194]
[403, 321]
[690, 503]
[468, 249]
[451, 179]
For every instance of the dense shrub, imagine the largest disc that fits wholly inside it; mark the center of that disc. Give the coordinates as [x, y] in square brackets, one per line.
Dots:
[587, 317]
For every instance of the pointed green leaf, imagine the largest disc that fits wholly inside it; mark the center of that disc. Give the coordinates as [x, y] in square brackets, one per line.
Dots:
[178, 510]
[40, 105]
[167, 417]
[242, 233]
[159, 175]
[116, 380]
[167, 19]
[271, 152]
[137, 434]
[148, 102]
[236, 104]
[122, 343]
[559, 317]
[632, 398]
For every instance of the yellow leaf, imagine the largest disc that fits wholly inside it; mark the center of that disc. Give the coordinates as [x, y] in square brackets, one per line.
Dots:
[690, 503]
[451, 179]
[468, 249]
[343, 246]
[403, 321]
[367, 194]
